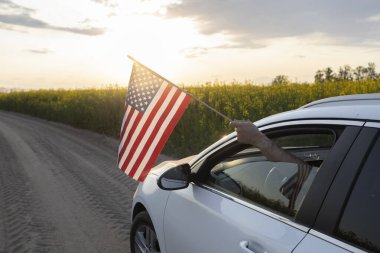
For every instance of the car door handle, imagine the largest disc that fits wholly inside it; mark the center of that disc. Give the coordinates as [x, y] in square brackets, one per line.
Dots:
[244, 247]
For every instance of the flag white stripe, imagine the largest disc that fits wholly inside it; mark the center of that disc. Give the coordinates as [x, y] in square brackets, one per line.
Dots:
[143, 120]
[125, 117]
[159, 135]
[149, 131]
[129, 126]
[122, 126]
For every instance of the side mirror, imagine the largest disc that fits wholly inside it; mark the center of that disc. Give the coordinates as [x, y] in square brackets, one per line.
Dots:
[175, 178]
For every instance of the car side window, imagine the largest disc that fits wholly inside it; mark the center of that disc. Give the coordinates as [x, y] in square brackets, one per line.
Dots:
[360, 223]
[278, 186]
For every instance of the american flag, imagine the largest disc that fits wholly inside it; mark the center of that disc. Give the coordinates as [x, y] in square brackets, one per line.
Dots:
[152, 109]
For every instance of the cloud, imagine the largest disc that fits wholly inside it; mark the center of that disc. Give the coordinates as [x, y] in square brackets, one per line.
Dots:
[23, 20]
[10, 28]
[111, 5]
[27, 21]
[194, 52]
[107, 3]
[198, 51]
[40, 51]
[91, 31]
[374, 18]
[242, 41]
[255, 20]
[7, 5]
[21, 16]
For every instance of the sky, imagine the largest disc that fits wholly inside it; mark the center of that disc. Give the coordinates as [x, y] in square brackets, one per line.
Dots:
[85, 43]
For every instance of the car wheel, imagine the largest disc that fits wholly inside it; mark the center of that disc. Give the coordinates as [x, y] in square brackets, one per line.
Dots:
[143, 236]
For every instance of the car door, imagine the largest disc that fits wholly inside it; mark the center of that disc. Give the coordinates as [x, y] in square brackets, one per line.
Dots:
[349, 218]
[241, 201]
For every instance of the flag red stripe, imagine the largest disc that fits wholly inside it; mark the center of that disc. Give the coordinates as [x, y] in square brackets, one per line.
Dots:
[130, 134]
[132, 125]
[154, 133]
[130, 115]
[164, 138]
[146, 125]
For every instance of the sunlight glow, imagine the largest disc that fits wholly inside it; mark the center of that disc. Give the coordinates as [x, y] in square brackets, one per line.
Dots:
[48, 46]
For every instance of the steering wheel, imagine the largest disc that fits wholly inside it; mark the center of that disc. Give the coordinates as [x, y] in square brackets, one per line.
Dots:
[277, 176]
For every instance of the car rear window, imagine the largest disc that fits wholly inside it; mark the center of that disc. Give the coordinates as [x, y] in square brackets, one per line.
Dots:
[360, 222]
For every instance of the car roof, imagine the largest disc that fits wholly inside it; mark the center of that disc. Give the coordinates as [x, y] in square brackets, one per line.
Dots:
[359, 99]
[363, 107]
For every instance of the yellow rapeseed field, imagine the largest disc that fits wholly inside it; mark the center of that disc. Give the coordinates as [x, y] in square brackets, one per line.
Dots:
[101, 110]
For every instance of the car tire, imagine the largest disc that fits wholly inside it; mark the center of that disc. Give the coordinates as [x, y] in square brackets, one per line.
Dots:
[143, 237]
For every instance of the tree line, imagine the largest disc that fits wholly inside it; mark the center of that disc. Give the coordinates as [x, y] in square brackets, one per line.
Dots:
[345, 73]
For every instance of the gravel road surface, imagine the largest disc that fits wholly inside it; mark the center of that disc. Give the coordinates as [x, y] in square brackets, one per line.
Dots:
[60, 190]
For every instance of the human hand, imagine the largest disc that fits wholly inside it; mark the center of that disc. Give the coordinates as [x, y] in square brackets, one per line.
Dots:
[248, 133]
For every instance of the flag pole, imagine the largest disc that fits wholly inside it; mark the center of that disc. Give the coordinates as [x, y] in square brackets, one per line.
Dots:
[195, 98]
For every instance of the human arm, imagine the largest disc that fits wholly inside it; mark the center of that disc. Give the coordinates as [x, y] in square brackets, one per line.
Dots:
[248, 133]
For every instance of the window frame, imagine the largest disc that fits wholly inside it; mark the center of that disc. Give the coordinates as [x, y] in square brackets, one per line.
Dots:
[304, 218]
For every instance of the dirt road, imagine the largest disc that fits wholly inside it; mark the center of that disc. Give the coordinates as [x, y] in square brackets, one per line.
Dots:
[60, 190]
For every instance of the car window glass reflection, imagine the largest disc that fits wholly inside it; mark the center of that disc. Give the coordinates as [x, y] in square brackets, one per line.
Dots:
[279, 186]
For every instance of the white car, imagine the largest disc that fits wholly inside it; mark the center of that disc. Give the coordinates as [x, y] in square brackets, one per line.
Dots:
[230, 198]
